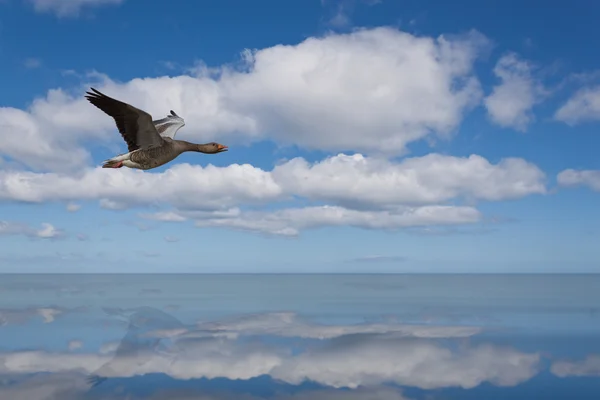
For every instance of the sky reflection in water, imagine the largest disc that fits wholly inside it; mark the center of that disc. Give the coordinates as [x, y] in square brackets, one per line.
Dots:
[363, 337]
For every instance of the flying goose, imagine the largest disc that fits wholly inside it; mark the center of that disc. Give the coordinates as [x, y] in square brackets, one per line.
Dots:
[150, 143]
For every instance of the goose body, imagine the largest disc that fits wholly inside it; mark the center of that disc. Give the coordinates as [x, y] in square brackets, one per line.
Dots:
[150, 143]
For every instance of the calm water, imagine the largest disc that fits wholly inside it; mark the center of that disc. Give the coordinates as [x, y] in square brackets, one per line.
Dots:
[294, 337]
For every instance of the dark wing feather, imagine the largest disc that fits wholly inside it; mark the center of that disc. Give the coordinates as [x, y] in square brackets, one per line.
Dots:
[135, 125]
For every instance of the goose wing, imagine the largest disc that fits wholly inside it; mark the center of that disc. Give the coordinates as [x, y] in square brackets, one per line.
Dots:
[135, 125]
[168, 126]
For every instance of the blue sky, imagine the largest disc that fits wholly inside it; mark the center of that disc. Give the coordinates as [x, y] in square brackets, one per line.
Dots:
[364, 136]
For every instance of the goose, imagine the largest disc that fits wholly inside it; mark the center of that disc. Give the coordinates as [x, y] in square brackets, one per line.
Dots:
[150, 143]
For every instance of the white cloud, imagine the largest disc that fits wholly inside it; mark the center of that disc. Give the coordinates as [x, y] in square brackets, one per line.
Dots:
[47, 231]
[510, 103]
[182, 185]
[571, 177]
[32, 63]
[31, 140]
[351, 180]
[366, 192]
[583, 106]
[319, 94]
[289, 222]
[590, 366]
[75, 344]
[73, 207]
[67, 8]
[343, 10]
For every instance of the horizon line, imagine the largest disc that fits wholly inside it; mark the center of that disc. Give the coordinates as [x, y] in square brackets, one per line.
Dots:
[300, 273]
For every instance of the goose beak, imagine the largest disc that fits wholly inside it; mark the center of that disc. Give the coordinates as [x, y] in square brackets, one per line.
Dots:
[222, 148]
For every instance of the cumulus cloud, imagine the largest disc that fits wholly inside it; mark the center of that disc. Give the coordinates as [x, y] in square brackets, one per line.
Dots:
[434, 178]
[367, 192]
[318, 94]
[182, 185]
[53, 149]
[571, 177]
[68, 8]
[47, 231]
[510, 103]
[590, 366]
[583, 106]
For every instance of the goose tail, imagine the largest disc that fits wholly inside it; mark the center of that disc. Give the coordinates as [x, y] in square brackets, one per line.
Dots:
[116, 162]
[112, 164]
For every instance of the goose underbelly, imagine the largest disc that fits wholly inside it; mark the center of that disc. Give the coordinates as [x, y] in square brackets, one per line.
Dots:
[149, 159]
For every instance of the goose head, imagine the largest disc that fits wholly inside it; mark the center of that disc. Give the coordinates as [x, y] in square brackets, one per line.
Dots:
[212, 148]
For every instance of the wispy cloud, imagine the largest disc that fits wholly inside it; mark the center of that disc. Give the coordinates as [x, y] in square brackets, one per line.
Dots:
[583, 106]
[341, 11]
[47, 231]
[75, 344]
[73, 207]
[32, 63]
[572, 177]
[69, 8]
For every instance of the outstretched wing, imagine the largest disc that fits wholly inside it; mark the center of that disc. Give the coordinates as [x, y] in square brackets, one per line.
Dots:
[135, 125]
[168, 127]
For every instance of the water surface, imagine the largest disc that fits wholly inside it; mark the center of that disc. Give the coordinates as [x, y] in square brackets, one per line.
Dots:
[363, 337]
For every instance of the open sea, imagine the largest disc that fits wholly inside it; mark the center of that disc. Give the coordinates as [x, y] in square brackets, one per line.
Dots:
[299, 337]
